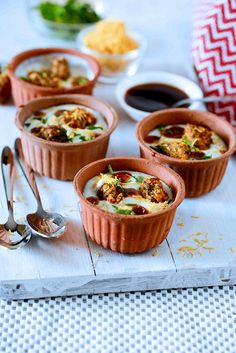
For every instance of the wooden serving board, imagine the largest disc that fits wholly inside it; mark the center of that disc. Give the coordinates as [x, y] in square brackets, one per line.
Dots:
[199, 251]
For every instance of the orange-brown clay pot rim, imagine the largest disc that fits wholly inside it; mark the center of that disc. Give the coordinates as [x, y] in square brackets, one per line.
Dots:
[179, 197]
[40, 51]
[71, 145]
[176, 161]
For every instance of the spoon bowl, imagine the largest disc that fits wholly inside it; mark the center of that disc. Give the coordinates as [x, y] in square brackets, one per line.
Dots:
[44, 224]
[47, 225]
[14, 239]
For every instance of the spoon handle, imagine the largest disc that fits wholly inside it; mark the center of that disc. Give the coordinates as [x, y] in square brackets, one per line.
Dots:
[7, 160]
[27, 171]
[209, 99]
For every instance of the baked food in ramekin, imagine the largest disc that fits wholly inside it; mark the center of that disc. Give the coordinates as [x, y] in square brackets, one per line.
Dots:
[200, 176]
[60, 160]
[38, 59]
[121, 232]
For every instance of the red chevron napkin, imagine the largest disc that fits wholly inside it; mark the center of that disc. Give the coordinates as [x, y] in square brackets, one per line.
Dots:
[214, 52]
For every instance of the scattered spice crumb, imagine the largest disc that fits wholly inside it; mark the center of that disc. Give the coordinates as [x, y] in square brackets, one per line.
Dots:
[195, 217]
[98, 254]
[232, 249]
[182, 241]
[200, 244]
[156, 252]
[181, 225]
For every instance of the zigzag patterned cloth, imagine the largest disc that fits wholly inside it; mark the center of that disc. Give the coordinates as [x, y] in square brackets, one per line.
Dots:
[214, 52]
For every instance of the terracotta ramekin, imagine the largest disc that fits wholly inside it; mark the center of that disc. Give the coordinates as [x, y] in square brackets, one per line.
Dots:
[122, 233]
[23, 91]
[200, 176]
[63, 160]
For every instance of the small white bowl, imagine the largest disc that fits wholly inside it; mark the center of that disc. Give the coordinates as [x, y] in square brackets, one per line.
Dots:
[187, 86]
[114, 66]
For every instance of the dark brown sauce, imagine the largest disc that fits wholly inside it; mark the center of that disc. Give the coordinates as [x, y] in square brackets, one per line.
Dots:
[122, 176]
[151, 138]
[93, 199]
[173, 132]
[131, 192]
[139, 210]
[150, 97]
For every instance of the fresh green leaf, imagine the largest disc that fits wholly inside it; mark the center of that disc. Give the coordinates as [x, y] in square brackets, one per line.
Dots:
[73, 11]
[110, 170]
[82, 81]
[161, 127]
[82, 138]
[188, 143]
[123, 211]
[139, 179]
[44, 120]
[207, 157]
[94, 127]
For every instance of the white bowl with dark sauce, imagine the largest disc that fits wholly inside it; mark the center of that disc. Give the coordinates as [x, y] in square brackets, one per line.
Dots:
[151, 91]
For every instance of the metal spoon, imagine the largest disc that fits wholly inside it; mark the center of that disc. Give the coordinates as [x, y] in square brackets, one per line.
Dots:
[210, 99]
[12, 234]
[44, 224]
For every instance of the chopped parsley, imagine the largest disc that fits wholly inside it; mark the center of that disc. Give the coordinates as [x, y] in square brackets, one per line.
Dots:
[110, 170]
[82, 81]
[72, 11]
[27, 124]
[94, 127]
[123, 211]
[161, 127]
[189, 143]
[139, 179]
[207, 157]
[43, 120]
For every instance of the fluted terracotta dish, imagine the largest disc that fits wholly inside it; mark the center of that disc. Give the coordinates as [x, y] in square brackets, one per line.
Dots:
[128, 233]
[23, 91]
[63, 160]
[200, 176]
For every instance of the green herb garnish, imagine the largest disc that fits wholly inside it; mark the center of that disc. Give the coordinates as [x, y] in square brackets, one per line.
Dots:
[122, 211]
[27, 124]
[110, 170]
[73, 11]
[94, 127]
[82, 138]
[207, 157]
[82, 81]
[139, 179]
[189, 143]
[161, 127]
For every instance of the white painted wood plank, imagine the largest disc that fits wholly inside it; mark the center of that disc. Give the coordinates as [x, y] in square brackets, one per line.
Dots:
[67, 256]
[216, 226]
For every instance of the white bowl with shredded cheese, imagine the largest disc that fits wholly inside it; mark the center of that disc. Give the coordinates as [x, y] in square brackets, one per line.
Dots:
[114, 65]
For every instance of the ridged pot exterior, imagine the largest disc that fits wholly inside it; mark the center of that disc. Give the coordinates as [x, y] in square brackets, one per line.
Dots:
[60, 163]
[23, 92]
[200, 176]
[123, 236]
[63, 160]
[199, 180]
[132, 233]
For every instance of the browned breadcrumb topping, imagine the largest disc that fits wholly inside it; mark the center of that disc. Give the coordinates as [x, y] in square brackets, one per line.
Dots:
[175, 149]
[200, 136]
[111, 193]
[50, 133]
[78, 118]
[152, 189]
[60, 68]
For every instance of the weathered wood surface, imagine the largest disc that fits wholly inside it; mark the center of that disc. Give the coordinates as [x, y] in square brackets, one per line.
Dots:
[200, 249]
